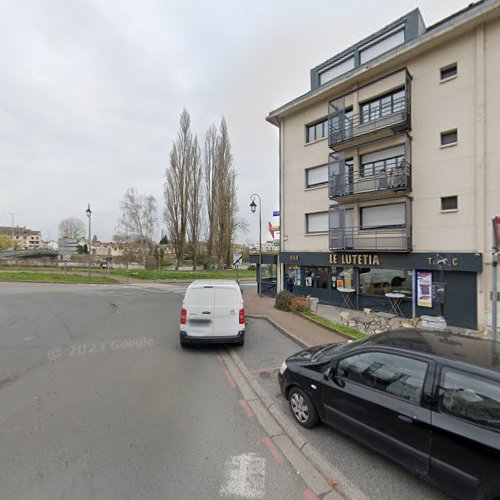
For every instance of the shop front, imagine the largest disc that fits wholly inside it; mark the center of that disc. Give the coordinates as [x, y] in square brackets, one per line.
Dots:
[269, 272]
[423, 283]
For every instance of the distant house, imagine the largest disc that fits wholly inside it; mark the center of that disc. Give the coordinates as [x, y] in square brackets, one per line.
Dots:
[26, 238]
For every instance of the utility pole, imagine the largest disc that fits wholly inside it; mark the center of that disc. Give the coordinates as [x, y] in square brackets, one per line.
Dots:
[88, 212]
[12, 229]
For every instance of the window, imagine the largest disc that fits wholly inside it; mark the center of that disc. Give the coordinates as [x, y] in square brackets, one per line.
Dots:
[383, 216]
[316, 131]
[383, 44]
[342, 277]
[448, 72]
[470, 398]
[294, 273]
[317, 176]
[383, 161]
[383, 106]
[396, 375]
[317, 223]
[449, 203]
[377, 281]
[450, 137]
[337, 69]
[322, 277]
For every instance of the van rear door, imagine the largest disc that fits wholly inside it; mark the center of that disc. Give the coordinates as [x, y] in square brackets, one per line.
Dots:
[200, 311]
[227, 309]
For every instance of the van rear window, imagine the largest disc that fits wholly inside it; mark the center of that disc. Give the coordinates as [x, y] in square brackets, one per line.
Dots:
[201, 297]
[226, 296]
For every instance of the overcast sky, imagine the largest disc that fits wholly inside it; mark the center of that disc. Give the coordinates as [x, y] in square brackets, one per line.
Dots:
[91, 92]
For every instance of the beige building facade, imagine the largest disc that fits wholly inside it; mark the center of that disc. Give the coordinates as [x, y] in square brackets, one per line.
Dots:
[23, 237]
[390, 170]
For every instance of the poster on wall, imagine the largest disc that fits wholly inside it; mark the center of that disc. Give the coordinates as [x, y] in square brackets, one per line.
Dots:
[424, 289]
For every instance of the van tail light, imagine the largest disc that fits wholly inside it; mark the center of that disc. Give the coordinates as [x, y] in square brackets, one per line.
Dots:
[183, 316]
[242, 316]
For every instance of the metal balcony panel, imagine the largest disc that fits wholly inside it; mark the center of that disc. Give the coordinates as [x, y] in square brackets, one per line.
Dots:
[354, 238]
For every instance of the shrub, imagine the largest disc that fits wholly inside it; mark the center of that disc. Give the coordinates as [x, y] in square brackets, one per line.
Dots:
[299, 304]
[283, 300]
[252, 267]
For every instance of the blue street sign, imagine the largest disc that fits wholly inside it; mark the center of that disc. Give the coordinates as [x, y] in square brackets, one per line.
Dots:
[276, 213]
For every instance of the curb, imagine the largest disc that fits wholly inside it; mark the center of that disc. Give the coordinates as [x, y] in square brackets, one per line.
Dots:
[284, 331]
[316, 471]
[328, 329]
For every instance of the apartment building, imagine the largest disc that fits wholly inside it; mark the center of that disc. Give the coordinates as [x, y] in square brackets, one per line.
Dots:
[390, 169]
[26, 238]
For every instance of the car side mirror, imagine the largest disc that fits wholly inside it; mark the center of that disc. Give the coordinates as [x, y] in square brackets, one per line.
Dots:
[330, 373]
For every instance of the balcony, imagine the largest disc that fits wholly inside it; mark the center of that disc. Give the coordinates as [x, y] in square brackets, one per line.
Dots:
[377, 121]
[354, 238]
[343, 183]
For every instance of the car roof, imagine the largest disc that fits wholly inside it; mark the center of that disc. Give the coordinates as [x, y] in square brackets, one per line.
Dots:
[222, 283]
[477, 351]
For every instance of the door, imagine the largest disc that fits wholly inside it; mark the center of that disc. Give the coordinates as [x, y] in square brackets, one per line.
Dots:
[465, 450]
[199, 304]
[375, 397]
[227, 311]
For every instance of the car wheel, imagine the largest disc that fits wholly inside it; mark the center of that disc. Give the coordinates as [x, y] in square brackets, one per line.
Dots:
[303, 408]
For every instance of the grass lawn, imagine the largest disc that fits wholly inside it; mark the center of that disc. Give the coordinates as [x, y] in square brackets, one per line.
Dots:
[151, 274]
[346, 330]
[46, 277]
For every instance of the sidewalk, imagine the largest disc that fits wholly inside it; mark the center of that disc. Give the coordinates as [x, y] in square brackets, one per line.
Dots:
[299, 328]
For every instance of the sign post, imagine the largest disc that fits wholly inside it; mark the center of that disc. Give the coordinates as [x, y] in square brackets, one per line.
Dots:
[237, 260]
[494, 273]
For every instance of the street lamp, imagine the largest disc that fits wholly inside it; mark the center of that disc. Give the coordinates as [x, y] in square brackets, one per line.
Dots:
[88, 212]
[253, 207]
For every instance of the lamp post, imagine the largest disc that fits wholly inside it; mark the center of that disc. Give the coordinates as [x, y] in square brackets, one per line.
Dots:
[12, 230]
[253, 207]
[88, 212]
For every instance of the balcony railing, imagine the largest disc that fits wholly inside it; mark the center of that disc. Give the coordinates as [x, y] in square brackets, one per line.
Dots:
[354, 238]
[396, 176]
[344, 128]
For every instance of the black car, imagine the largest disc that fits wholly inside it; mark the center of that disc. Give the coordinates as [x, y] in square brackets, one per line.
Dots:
[428, 400]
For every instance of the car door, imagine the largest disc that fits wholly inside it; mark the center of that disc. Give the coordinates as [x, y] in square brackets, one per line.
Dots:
[465, 451]
[226, 311]
[199, 304]
[375, 396]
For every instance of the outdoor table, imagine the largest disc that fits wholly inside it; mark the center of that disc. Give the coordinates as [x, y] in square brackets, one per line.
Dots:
[363, 321]
[347, 294]
[395, 300]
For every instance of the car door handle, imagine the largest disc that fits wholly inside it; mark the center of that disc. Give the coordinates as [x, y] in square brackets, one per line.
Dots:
[409, 419]
[206, 312]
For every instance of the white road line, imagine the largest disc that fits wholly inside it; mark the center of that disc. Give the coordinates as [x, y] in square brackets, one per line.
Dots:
[245, 476]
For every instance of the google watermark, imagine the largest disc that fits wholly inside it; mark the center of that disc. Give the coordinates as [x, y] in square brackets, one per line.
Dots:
[78, 350]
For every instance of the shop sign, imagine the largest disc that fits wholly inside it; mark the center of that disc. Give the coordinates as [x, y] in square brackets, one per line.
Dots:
[355, 259]
[424, 289]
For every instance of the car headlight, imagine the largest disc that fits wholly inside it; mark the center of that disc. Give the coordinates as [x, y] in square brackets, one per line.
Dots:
[283, 367]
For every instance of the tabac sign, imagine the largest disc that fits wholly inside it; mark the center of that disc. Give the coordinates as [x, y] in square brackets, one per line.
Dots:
[359, 259]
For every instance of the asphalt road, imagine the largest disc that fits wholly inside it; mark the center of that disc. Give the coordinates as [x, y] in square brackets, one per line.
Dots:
[373, 474]
[98, 401]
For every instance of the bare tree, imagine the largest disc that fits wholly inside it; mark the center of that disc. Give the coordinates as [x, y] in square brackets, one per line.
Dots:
[138, 220]
[72, 227]
[210, 172]
[195, 198]
[176, 189]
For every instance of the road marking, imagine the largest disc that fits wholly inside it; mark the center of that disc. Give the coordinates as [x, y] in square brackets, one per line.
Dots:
[246, 407]
[245, 476]
[310, 495]
[272, 448]
[219, 359]
[230, 378]
[264, 370]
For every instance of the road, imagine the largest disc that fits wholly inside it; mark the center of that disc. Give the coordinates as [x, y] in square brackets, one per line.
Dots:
[98, 401]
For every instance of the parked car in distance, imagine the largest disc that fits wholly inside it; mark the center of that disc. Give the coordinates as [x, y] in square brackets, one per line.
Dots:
[212, 312]
[430, 401]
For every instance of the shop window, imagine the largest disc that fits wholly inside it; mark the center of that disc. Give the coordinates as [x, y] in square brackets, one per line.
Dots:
[294, 273]
[342, 277]
[309, 276]
[376, 281]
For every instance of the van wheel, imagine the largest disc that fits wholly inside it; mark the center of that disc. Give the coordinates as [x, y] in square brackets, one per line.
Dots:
[303, 408]
[183, 343]
[241, 343]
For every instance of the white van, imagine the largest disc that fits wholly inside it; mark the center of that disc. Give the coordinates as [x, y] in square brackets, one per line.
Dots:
[212, 311]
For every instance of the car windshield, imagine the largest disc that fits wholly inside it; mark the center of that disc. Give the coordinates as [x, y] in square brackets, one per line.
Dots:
[332, 350]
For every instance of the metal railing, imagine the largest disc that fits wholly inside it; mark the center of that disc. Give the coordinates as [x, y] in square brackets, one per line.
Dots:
[344, 127]
[355, 238]
[396, 176]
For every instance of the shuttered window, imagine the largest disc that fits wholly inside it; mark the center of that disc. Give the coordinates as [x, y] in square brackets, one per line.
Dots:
[317, 223]
[317, 176]
[383, 216]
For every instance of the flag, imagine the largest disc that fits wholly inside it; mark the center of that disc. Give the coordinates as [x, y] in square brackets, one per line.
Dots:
[271, 230]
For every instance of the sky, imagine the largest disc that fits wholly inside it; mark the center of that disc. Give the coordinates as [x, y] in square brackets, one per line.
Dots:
[91, 92]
